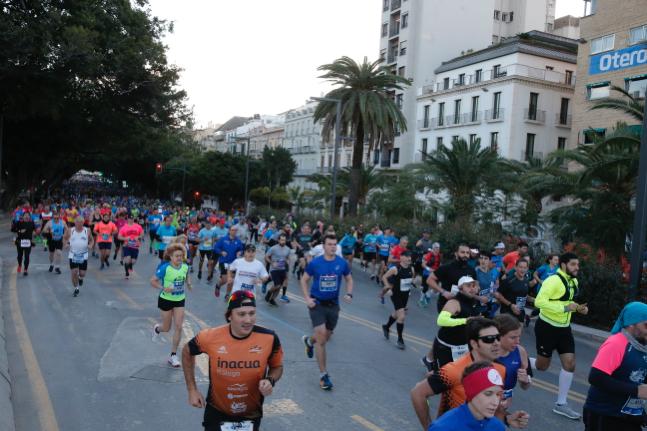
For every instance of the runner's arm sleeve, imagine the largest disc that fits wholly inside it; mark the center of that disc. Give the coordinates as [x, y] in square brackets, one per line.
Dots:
[549, 289]
[445, 319]
[607, 383]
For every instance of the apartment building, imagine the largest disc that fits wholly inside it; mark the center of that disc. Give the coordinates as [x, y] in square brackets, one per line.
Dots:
[261, 137]
[303, 140]
[515, 97]
[235, 139]
[613, 52]
[418, 35]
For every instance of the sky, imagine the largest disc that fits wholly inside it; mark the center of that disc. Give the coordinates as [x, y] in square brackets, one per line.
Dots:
[246, 57]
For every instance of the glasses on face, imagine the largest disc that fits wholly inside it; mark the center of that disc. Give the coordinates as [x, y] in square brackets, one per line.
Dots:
[489, 339]
[240, 294]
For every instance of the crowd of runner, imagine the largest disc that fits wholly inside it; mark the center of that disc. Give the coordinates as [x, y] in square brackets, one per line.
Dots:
[484, 296]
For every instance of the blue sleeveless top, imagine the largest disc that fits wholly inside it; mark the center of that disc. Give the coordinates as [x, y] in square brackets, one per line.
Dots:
[512, 363]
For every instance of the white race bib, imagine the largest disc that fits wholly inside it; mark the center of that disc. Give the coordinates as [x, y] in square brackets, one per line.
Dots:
[237, 426]
[458, 351]
[405, 284]
[79, 257]
[634, 407]
[25, 243]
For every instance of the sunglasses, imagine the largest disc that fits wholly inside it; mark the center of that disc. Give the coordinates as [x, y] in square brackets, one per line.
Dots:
[489, 339]
[240, 294]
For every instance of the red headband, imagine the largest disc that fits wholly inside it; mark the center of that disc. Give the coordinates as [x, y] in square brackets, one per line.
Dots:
[480, 380]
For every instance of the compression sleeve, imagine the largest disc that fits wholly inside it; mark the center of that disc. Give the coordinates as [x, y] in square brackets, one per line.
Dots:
[445, 319]
[607, 383]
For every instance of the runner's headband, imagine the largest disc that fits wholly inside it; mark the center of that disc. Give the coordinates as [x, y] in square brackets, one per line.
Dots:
[480, 380]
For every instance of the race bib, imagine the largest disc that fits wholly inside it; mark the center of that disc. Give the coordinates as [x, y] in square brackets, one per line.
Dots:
[458, 351]
[178, 287]
[105, 237]
[280, 264]
[405, 284]
[247, 286]
[237, 426]
[132, 243]
[167, 239]
[507, 394]
[25, 243]
[521, 302]
[79, 257]
[328, 283]
[633, 407]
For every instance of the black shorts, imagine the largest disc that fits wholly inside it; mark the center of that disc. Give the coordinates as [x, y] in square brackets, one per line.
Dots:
[214, 418]
[549, 338]
[279, 276]
[324, 314]
[82, 266]
[194, 243]
[160, 254]
[166, 305]
[369, 255]
[55, 245]
[221, 267]
[205, 253]
[400, 300]
[133, 253]
[105, 245]
[300, 253]
[384, 259]
[442, 354]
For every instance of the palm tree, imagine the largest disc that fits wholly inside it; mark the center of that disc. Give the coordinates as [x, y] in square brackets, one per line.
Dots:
[626, 103]
[463, 171]
[369, 178]
[369, 112]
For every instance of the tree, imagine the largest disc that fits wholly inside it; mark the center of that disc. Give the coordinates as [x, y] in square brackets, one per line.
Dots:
[369, 179]
[278, 166]
[369, 112]
[398, 196]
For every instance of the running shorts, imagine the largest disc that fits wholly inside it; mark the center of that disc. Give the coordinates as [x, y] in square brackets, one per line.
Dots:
[105, 245]
[278, 276]
[324, 313]
[55, 245]
[130, 252]
[166, 305]
[549, 338]
[82, 266]
[400, 300]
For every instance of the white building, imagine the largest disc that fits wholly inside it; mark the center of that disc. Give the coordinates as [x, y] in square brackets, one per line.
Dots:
[515, 96]
[234, 138]
[417, 35]
[303, 139]
[567, 26]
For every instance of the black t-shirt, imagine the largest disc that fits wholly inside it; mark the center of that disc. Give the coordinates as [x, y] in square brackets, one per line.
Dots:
[449, 274]
[304, 240]
[515, 291]
[24, 230]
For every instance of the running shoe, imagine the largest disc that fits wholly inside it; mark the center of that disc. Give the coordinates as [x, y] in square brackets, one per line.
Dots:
[19, 270]
[101, 266]
[264, 288]
[400, 344]
[325, 383]
[199, 275]
[174, 361]
[385, 331]
[284, 298]
[565, 410]
[108, 263]
[51, 268]
[156, 335]
[273, 303]
[76, 292]
[372, 277]
[58, 271]
[382, 299]
[25, 274]
[428, 364]
[217, 291]
[310, 349]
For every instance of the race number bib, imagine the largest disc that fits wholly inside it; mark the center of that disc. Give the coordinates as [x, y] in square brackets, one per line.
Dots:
[633, 407]
[25, 243]
[247, 286]
[132, 243]
[167, 239]
[237, 426]
[458, 351]
[521, 302]
[78, 257]
[328, 283]
[178, 287]
[280, 264]
[405, 284]
[105, 237]
[507, 394]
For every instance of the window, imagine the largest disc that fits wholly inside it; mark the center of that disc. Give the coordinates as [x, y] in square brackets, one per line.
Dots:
[532, 106]
[475, 109]
[637, 86]
[385, 5]
[638, 34]
[398, 100]
[563, 111]
[530, 146]
[455, 138]
[590, 135]
[496, 71]
[568, 77]
[424, 148]
[478, 75]
[323, 162]
[439, 142]
[330, 160]
[446, 84]
[494, 141]
[404, 21]
[597, 91]
[511, 17]
[376, 157]
[385, 29]
[561, 143]
[504, 16]
[497, 15]
[461, 79]
[401, 71]
[495, 39]
[601, 44]
[441, 114]
[403, 47]
[473, 138]
[457, 111]
[425, 116]
[550, 68]
[496, 105]
[348, 160]
[396, 155]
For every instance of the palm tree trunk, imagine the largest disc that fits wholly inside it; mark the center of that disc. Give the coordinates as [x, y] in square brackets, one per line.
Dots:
[356, 170]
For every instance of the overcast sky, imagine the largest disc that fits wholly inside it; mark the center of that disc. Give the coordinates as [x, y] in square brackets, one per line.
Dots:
[245, 57]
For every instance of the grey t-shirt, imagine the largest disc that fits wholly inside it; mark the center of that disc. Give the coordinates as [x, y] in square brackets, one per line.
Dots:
[279, 257]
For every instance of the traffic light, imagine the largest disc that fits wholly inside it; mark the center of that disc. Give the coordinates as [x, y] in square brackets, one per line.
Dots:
[197, 195]
[158, 168]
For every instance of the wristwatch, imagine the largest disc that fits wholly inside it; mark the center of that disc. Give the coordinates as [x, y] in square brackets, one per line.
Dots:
[271, 380]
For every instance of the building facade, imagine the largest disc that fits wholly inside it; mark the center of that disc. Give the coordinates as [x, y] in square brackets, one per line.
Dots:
[613, 52]
[515, 97]
[418, 35]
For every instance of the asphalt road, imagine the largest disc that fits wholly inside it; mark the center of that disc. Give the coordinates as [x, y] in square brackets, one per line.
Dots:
[88, 363]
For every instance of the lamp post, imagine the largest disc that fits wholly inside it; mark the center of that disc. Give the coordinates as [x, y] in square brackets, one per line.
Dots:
[247, 140]
[640, 216]
[337, 143]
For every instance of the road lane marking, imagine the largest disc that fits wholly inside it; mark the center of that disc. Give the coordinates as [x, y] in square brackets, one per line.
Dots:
[282, 407]
[45, 410]
[366, 423]
[549, 387]
[125, 297]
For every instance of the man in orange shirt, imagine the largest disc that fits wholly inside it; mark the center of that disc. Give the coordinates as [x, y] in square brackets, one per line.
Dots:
[510, 259]
[245, 362]
[105, 230]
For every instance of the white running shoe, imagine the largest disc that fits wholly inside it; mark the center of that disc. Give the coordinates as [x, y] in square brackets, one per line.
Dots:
[174, 361]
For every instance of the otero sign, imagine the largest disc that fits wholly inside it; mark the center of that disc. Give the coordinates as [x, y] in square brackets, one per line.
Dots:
[617, 60]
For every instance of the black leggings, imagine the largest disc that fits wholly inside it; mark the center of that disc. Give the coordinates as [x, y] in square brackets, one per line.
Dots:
[23, 254]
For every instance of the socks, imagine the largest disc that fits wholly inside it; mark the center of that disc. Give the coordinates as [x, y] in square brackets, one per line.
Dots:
[533, 363]
[400, 328]
[80, 281]
[390, 322]
[285, 289]
[565, 380]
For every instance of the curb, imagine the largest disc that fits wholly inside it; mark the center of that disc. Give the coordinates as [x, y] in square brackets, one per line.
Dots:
[593, 334]
[6, 405]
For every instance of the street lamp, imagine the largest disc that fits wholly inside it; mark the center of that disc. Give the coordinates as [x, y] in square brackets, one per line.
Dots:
[640, 216]
[337, 144]
[247, 140]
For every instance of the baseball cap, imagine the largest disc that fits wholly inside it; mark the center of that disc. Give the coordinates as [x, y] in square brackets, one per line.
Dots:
[465, 279]
[241, 298]
[499, 245]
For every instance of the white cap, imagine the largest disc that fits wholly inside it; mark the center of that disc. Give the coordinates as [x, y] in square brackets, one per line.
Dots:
[499, 245]
[465, 279]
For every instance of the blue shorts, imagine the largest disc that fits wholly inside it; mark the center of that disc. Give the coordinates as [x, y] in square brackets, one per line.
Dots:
[131, 252]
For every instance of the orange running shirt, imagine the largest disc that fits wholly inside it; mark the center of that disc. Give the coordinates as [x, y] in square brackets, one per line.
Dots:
[236, 366]
[132, 234]
[105, 231]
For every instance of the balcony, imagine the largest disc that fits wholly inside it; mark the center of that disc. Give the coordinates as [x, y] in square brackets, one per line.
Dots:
[395, 4]
[494, 115]
[424, 124]
[472, 117]
[394, 29]
[535, 116]
[393, 57]
[564, 121]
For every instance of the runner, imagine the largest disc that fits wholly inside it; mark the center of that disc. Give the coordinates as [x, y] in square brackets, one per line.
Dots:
[105, 230]
[513, 356]
[488, 283]
[510, 259]
[46, 215]
[397, 250]
[205, 236]
[302, 242]
[513, 292]
[246, 272]
[193, 237]
[430, 263]
[131, 234]
[384, 243]
[322, 300]
[449, 274]
[277, 258]
[56, 229]
[164, 234]
[171, 277]
[154, 221]
[347, 244]
[370, 250]
[96, 218]
[24, 230]
[616, 397]
[119, 222]
[245, 362]
[553, 328]
[228, 248]
[218, 233]
[398, 280]
[80, 241]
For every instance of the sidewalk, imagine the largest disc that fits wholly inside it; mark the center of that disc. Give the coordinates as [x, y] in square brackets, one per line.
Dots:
[6, 407]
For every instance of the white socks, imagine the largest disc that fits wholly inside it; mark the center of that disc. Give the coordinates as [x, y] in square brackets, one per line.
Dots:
[533, 363]
[565, 380]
